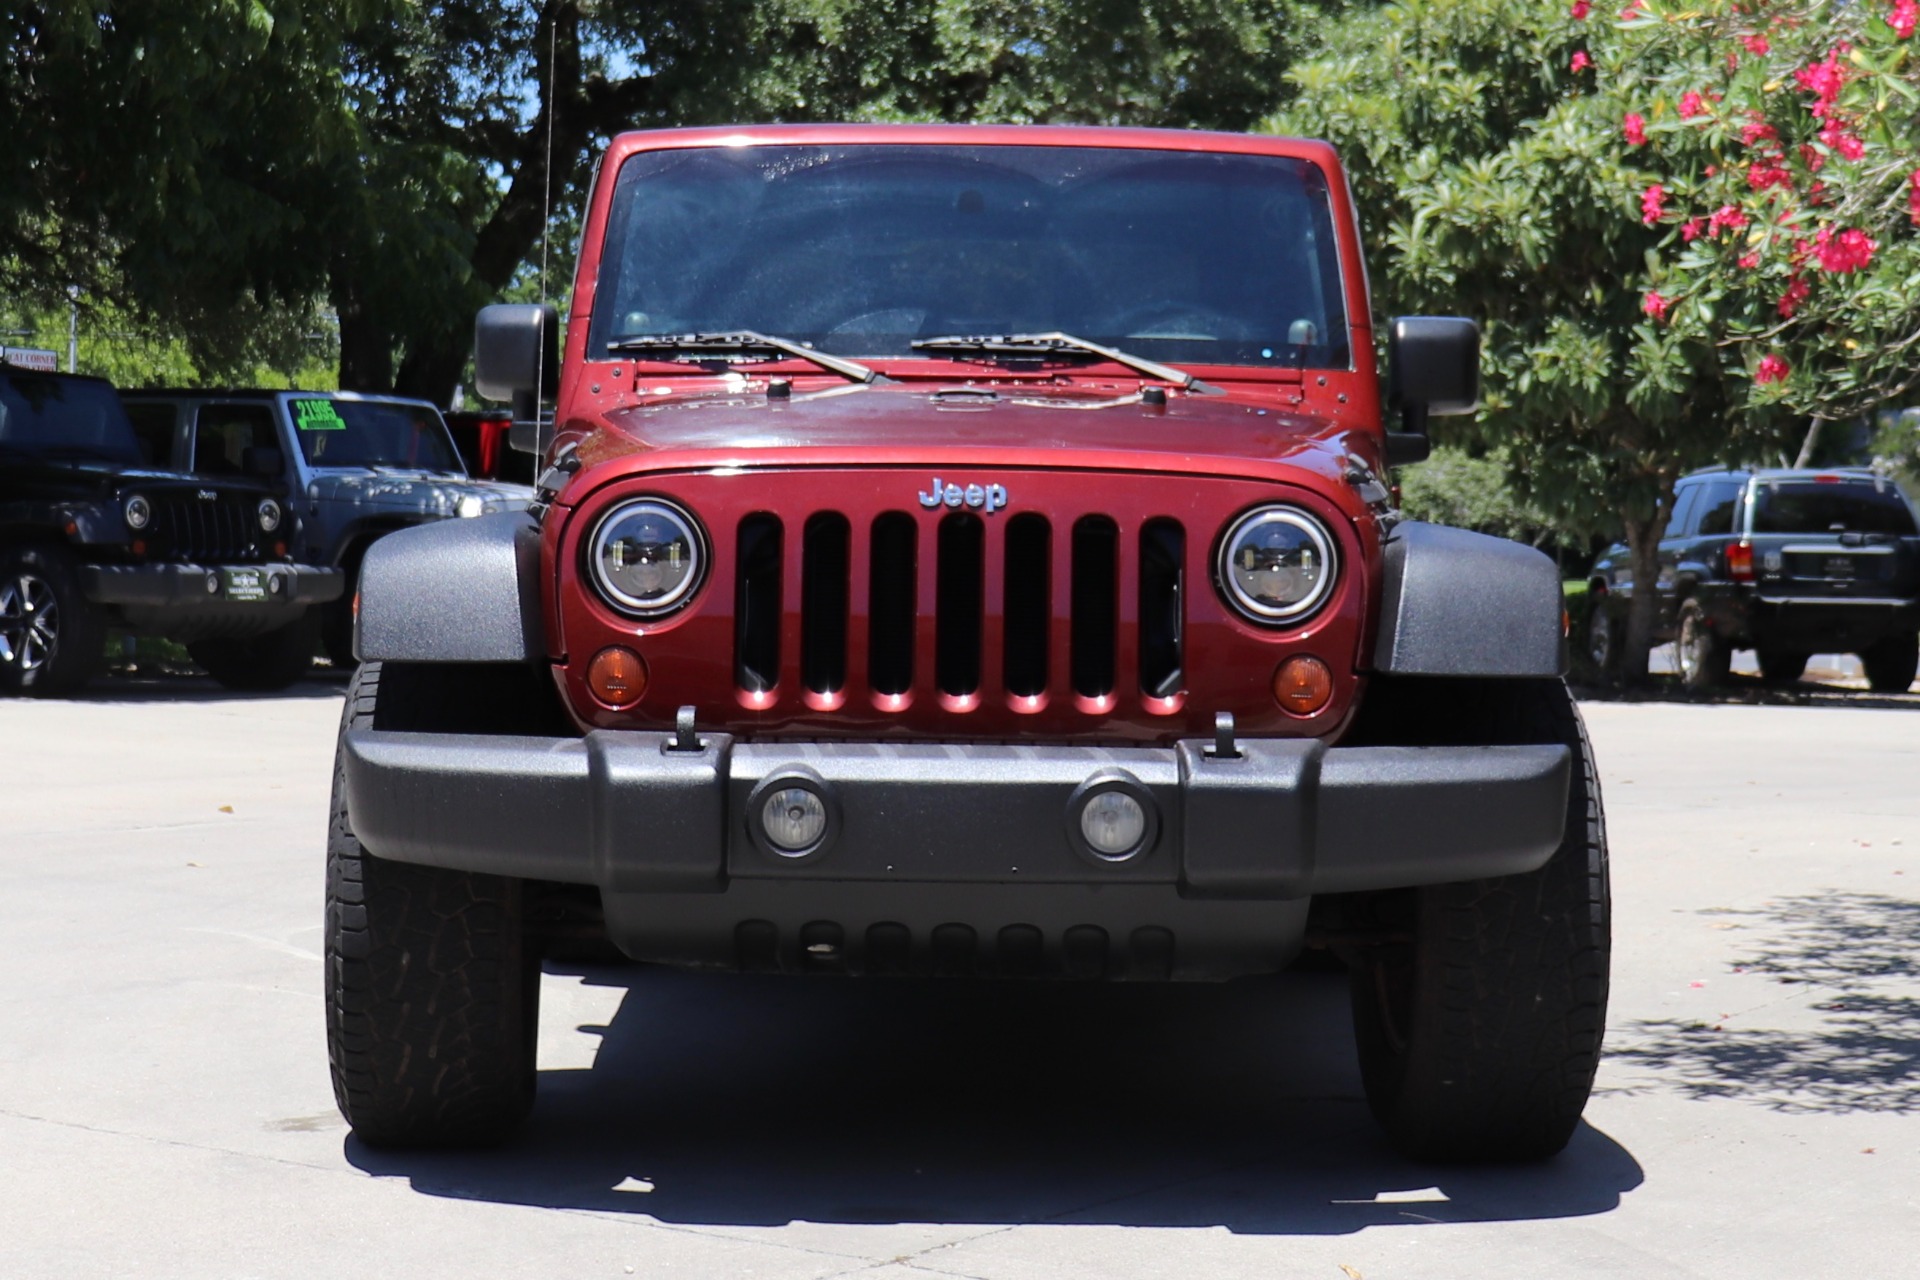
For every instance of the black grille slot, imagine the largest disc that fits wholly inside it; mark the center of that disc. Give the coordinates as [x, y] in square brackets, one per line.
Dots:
[961, 582]
[1096, 547]
[197, 529]
[756, 604]
[891, 604]
[1028, 603]
[1163, 553]
[823, 602]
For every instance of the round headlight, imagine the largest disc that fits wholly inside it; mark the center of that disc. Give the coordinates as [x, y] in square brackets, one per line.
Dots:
[139, 512]
[1277, 564]
[647, 557]
[269, 514]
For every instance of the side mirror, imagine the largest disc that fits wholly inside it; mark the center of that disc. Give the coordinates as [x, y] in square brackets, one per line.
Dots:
[1433, 370]
[262, 460]
[516, 358]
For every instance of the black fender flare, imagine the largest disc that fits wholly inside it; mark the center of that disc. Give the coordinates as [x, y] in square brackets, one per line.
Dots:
[453, 591]
[1457, 603]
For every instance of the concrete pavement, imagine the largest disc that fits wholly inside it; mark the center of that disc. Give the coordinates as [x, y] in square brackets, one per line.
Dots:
[165, 1109]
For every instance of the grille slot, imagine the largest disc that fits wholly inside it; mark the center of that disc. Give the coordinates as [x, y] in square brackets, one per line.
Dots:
[891, 603]
[1095, 604]
[960, 577]
[1028, 605]
[1163, 555]
[191, 528]
[823, 602]
[756, 604]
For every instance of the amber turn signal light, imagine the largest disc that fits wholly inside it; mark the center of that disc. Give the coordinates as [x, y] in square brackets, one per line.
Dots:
[1302, 685]
[618, 677]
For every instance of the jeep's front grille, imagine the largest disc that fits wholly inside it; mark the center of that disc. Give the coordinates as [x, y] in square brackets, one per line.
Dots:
[981, 604]
[200, 530]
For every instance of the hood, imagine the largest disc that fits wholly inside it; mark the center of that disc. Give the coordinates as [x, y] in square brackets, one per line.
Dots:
[900, 423]
[99, 476]
[423, 493]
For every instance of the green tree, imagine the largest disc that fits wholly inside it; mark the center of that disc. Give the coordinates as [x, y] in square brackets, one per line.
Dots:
[1491, 185]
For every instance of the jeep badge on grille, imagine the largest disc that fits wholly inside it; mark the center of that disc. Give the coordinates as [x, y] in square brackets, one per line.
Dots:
[989, 498]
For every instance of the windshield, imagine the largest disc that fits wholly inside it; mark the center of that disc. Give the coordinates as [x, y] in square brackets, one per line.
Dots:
[1803, 506]
[369, 433]
[859, 249]
[65, 417]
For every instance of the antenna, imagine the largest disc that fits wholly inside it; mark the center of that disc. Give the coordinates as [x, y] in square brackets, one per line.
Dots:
[546, 232]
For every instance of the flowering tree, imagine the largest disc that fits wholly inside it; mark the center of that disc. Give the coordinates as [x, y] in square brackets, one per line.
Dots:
[1782, 142]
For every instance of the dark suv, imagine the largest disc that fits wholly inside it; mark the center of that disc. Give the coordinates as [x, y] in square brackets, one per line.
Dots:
[92, 535]
[1787, 563]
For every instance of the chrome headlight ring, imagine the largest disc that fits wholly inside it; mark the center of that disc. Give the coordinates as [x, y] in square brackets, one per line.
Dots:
[647, 557]
[1277, 565]
[139, 512]
[269, 512]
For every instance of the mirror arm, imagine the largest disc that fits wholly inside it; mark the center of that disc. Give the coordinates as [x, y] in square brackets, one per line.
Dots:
[1411, 443]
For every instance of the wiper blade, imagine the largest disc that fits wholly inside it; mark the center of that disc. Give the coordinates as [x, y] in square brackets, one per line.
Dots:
[1028, 343]
[739, 342]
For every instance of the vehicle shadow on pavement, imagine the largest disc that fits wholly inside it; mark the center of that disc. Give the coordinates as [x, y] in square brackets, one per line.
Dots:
[1856, 1043]
[763, 1101]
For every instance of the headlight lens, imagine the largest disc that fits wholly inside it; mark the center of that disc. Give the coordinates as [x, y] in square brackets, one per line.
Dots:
[269, 514]
[139, 512]
[647, 557]
[1277, 564]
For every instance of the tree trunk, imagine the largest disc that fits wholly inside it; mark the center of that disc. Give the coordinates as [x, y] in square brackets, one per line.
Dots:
[433, 367]
[1643, 547]
[1807, 445]
[366, 348]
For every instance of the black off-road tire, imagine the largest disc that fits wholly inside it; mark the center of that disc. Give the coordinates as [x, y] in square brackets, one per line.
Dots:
[1892, 663]
[432, 985]
[1704, 658]
[51, 640]
[1781, 666]
[260, 664]
[1479, 1022]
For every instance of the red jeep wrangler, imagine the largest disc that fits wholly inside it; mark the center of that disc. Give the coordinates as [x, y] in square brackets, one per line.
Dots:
[966, 551]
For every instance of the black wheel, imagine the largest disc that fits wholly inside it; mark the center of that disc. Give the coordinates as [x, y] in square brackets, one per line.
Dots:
[336, 623]
[1892, 663]
[1704, 657]
[51, 641]
[1479, 1020]
[260, 664]
[1781, 666]
[1605, 635]
[432, 986]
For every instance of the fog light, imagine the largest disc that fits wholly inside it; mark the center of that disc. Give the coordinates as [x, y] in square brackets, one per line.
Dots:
[794, 820]
[1302, 685]
[1113, 823]
[618, 677]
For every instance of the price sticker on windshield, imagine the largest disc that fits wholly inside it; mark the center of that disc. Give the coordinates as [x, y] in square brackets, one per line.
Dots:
[317, 415]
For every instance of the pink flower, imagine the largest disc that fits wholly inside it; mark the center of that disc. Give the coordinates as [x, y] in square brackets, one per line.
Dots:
[1797, 291]
[1903, 18]
[1772, 369]
[1691, 105]
[1913, 197]
[1634, 127]
[1580, 10]
[1690, 230]
[1756, 131]
[1749, 260]
[1837, 137]
[1823, 80]
[1851, 250]
[1631, 11]
[1727, 217]
[1580, 60]
[1655, 306]
[1762, 174]
[1811, 157]
[1756, 45]
[1653, 203]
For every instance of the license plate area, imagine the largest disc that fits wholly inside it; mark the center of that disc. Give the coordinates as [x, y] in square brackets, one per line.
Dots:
[244, 585]
[1837, 569]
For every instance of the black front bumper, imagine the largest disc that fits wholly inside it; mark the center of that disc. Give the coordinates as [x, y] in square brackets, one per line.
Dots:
[967, 837]
[203, 586]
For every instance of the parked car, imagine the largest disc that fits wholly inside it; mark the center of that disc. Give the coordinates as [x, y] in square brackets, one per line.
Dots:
[360, 466]
[482, 438]
[94, 535]
[967, 551]
[1787, 563]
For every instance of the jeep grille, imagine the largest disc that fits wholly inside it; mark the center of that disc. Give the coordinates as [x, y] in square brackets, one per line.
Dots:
[188, 527]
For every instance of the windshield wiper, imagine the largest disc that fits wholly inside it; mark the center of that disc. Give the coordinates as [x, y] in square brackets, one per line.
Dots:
[733, 342]
[1058, 343]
